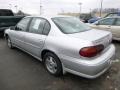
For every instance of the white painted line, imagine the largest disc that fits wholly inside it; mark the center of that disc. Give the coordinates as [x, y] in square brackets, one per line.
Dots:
[116, 61]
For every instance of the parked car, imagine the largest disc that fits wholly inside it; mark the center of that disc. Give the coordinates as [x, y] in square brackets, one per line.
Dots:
[111, 24]
[94, 19]
[7, 19]
[85, 17]
[63, 44]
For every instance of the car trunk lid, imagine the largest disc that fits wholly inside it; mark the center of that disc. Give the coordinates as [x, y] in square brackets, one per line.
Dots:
[95, 36]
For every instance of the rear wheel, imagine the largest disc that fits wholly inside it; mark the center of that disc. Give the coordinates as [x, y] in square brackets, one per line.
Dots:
[52, 64]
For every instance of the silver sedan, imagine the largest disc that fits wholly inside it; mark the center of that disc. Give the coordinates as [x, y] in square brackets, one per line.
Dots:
[63, 44]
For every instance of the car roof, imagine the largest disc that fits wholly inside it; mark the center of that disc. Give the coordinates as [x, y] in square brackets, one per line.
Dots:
[49, 16]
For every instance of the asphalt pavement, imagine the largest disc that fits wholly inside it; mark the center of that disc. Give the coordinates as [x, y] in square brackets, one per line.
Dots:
[20, 71]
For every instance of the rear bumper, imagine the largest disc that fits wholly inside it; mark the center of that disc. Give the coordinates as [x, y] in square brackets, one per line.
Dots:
[89, 68]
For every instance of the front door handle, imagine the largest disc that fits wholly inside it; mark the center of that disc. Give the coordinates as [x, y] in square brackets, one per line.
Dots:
[40, 40]
[108, 27]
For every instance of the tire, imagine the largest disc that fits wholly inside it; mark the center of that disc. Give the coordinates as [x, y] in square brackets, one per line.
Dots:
[1, 34]
[9, 43]
[52, 64]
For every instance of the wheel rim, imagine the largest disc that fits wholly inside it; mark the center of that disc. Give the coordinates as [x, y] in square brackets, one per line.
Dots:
[51, 64]
[9, 43]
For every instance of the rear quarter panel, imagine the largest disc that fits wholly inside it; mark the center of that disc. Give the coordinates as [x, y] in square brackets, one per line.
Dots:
[65, 45]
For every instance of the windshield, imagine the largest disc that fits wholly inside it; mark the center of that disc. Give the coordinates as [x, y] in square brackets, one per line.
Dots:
[69, 25]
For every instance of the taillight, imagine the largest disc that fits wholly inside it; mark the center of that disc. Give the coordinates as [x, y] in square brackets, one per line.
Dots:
[91, 51]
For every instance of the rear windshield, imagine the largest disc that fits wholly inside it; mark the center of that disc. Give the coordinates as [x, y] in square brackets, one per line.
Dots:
[6, 13]
[86, 16]
[69, 25]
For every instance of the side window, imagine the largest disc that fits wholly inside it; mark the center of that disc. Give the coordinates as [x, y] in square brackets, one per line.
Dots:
[117, 23]
[112, 15]
[23, 24]
[46, 28]
[108, 21]
[37, 25]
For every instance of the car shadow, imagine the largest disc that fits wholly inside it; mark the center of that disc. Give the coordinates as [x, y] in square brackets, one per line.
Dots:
[115, 41]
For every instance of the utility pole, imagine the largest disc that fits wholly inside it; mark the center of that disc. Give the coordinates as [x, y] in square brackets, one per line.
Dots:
[80, 6]
[101, 6]
[16, 8]
[90, 11]
[10, 6]
[40, 7]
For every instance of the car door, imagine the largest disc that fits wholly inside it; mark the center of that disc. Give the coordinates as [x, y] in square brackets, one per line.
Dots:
[115, 29]
[35, 38]
[105, 24]
[18, 34]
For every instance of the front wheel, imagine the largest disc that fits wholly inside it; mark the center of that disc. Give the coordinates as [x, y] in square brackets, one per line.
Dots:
[9, 43]
[52, 64]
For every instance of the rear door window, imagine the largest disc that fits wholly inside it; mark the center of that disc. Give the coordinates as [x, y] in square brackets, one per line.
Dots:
[37, 25]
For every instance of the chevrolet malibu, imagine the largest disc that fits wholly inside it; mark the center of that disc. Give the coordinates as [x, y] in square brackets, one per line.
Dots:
[63, 44]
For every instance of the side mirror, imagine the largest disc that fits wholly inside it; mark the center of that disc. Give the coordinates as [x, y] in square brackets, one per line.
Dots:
[12, 28]
[96, 23]
[15, 28]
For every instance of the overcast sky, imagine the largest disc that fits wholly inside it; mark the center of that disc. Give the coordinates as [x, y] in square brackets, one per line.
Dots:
[57, 6]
